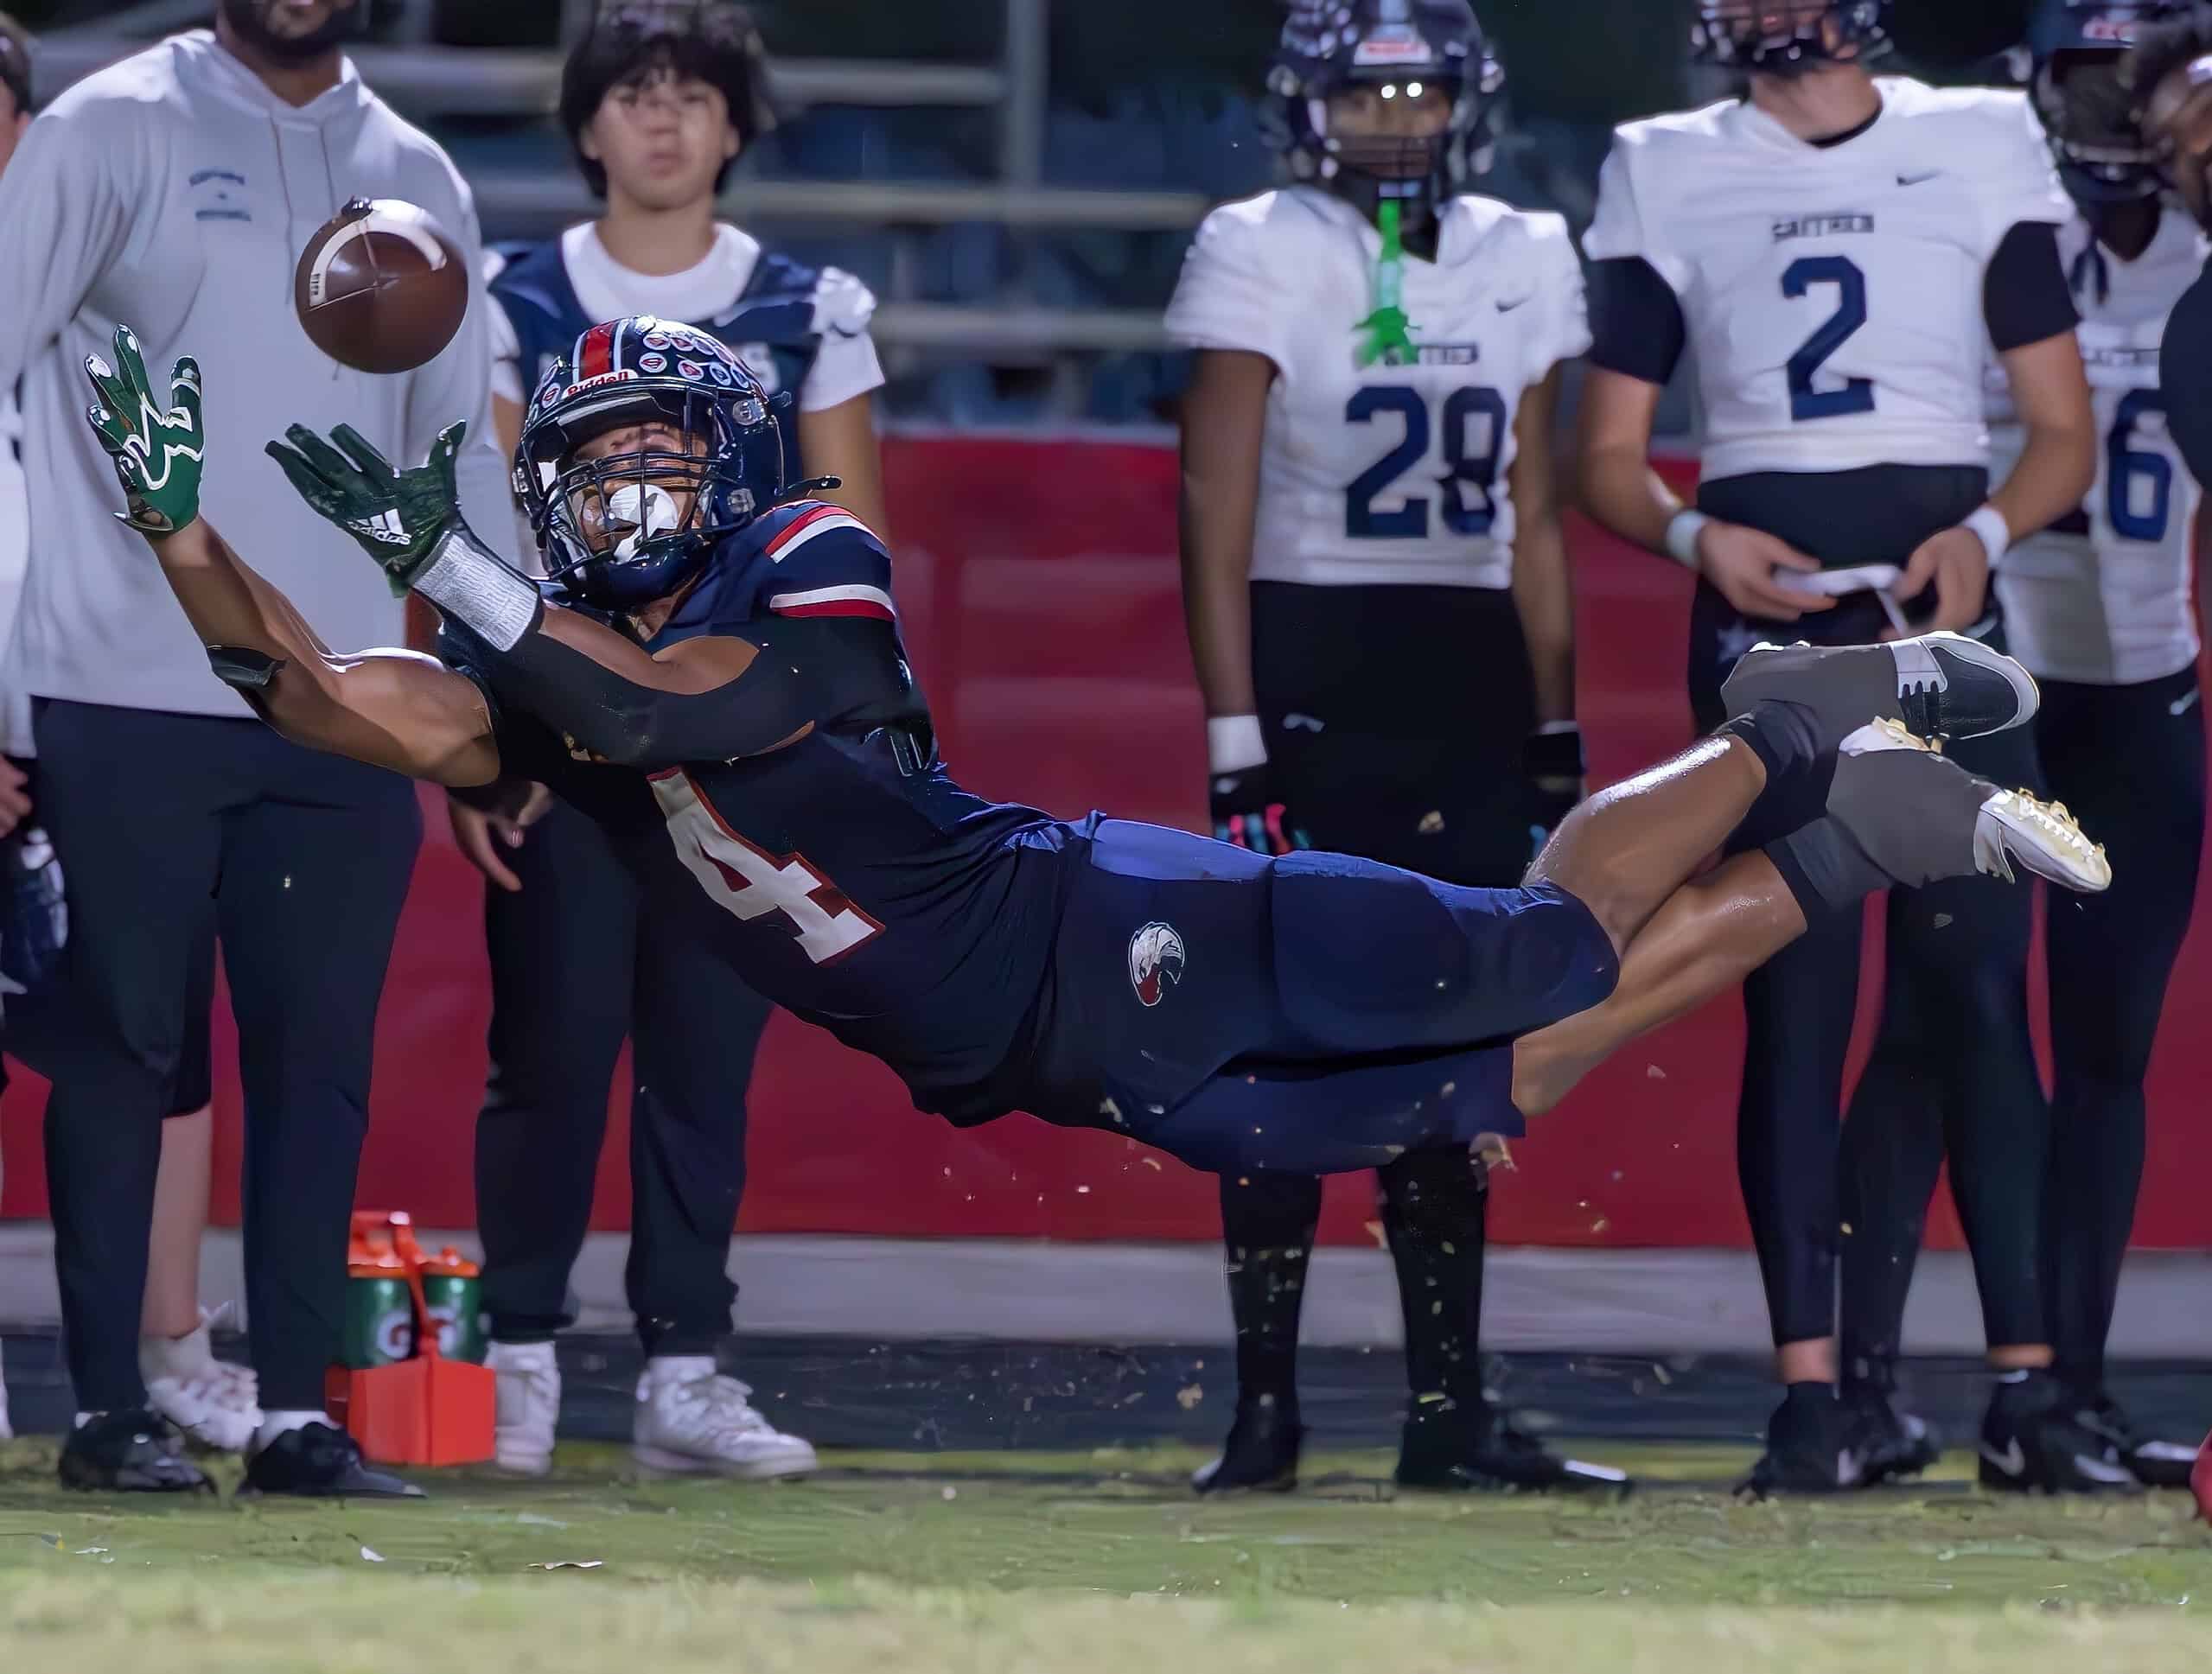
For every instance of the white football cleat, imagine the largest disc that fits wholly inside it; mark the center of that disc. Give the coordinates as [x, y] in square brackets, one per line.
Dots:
[217, 1406]
[526, 1380]
[1919, 816]
[692, 1421]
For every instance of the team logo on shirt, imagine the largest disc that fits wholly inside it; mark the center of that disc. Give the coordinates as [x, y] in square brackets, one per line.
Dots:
[1155, 962]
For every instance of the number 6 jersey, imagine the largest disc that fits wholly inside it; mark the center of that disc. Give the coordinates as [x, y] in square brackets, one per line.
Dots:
[1835, 297]
[1394, 472]
[2103, 597]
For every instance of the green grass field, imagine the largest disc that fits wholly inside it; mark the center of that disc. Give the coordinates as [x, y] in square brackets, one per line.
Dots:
[976, 1563]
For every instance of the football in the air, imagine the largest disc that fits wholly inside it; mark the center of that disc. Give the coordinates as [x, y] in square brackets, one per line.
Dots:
[381, 286]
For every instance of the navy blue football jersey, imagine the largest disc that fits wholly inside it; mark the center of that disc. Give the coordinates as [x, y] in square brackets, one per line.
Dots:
[851, 880]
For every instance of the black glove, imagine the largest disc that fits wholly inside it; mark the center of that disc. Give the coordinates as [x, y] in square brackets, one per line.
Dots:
[1552, 764]
[1247, 814]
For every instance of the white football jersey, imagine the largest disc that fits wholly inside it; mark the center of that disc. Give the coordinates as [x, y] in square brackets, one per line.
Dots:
[1832, 295]
[1389, 473]
[2104, 598]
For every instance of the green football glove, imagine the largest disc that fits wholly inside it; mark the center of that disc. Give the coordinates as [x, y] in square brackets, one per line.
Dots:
[158, 454]
[395, 515]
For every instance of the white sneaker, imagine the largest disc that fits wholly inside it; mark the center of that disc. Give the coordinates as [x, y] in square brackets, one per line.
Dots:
[216, 1404]
[690, 1420]
[527, 1406]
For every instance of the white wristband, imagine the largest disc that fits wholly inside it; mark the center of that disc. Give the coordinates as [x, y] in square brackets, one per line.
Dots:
[1682, 532]
[1995, 534]
[1234, 743]
[479, 590]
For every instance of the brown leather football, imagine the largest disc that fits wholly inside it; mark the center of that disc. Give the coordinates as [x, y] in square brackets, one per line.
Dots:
[381, 287]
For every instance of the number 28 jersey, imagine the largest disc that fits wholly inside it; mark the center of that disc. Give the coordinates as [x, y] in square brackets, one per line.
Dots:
[1389, 472]
[1831, 295]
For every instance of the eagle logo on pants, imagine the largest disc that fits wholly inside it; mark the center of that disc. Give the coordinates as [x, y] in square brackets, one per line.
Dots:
[1155, 961]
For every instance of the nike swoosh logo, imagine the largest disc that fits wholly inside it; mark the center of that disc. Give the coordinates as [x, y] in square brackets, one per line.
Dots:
[1507, 308]
[2013, 1461]
[1914, 180]
[2183, 705]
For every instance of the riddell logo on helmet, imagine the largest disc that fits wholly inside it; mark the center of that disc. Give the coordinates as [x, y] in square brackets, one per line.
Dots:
[624, 376]
[1392, 46]
[1155, 962]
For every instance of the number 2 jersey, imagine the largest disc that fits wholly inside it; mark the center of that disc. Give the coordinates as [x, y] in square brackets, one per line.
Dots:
[1393, 473]
[845, 875]
[1838, 299]
[2103, 597]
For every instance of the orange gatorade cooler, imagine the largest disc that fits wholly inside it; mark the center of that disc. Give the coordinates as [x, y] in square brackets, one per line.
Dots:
[403, 1395]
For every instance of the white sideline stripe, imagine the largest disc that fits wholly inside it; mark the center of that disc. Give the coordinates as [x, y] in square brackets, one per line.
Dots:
[1602, 1301]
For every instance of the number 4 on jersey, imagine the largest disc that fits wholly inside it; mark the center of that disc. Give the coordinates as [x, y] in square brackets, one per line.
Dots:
[750, 882]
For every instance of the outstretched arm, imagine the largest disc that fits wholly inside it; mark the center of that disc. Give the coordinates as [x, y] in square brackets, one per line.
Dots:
[391, 708]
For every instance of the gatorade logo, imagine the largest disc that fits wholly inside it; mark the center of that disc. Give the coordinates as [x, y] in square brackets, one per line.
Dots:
[395, 1333]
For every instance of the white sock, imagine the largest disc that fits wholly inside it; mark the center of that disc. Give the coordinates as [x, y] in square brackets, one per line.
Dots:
[678, 1368]
[281, 1422]
[531, 1355]
[182, 1358]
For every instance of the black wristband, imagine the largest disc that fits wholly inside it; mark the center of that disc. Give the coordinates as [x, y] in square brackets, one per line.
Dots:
[243, 669]
[1555, 755]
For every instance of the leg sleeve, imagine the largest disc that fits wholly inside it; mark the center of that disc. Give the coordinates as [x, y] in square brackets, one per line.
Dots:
[314, 872]
[696, 1030]
[563, 954]
[130, 799]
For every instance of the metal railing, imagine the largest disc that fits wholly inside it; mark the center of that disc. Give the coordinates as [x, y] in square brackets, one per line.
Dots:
[426, 81]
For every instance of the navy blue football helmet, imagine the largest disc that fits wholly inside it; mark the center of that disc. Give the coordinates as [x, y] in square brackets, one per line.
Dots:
[1330, 47]
[1786, 37]
[619, 375]
[2103, 157]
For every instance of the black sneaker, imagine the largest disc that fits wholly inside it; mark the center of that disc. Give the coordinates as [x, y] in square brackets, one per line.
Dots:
[1812, 1447]
[2153, 1462]
[317, 1462]
[1261, 1456]
[1455, 1449]
[130, 1450]
[2033, 1443]
[1892, 1443]
[1940, 684]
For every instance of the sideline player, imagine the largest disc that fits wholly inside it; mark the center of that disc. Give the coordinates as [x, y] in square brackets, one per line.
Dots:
[1838, 250]
[1380, 612]
[2099, 606]
[732, 699]
[658, 105]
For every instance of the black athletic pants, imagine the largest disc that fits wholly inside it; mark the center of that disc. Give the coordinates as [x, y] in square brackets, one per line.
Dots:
[1952, 1053]
[166, 825]
[579, 962]
[1395, 718]
[2129, 761]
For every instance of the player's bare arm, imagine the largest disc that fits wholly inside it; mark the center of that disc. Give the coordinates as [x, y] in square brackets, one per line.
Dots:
[391, 708]
[1622, 491]
[840, 442]
[2056, 470]
[1543, 586]
[1224, 417]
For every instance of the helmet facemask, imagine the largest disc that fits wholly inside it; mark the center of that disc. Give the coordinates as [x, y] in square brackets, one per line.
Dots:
[2103, 157]
[624, 529]
[1788, 37]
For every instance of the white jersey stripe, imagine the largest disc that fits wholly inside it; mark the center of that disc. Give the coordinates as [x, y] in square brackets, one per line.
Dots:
[808, 528]
[857, 600]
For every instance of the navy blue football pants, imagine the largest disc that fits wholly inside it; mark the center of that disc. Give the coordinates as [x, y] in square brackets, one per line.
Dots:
[1314, 1014]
